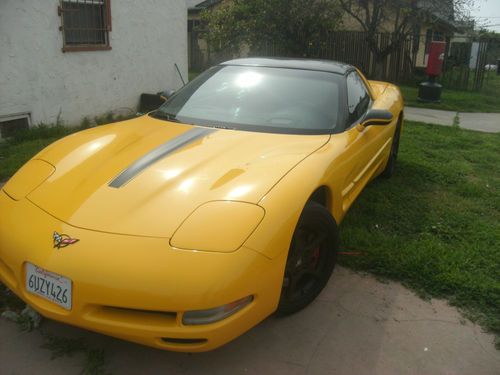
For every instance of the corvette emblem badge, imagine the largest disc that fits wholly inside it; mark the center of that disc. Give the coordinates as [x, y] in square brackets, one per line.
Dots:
[63, 240]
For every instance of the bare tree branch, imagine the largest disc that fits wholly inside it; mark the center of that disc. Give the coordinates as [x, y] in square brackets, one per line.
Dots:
[347, 7]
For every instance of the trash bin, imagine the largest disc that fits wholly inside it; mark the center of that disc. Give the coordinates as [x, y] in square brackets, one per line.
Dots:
[429, 92]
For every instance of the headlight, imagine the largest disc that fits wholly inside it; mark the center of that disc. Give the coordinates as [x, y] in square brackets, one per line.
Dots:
[219, 226]
[28, 178]
[214, 315]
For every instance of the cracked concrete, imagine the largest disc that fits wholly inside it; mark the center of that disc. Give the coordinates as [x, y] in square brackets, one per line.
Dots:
[484, 122]
[358, 325]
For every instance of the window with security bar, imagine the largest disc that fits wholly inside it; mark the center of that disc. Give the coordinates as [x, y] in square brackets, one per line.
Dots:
[85, 24]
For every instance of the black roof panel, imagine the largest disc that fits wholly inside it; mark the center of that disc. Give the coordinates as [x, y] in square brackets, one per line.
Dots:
[292, 63]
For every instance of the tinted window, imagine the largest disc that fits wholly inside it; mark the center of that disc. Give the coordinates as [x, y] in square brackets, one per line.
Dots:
[259, 99]
[358, 98]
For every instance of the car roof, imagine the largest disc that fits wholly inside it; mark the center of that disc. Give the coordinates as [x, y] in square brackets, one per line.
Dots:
[294, 63]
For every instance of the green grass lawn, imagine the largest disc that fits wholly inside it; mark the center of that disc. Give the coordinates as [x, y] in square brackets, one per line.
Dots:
[435, 226]
[487, 100]
[13, 156]
[15, 152]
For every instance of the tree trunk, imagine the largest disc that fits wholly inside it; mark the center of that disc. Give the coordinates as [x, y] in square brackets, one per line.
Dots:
[379, 72]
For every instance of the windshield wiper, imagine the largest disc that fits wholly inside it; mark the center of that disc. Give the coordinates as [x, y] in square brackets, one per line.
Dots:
[218, 126]
[165, 116]
[171, 117]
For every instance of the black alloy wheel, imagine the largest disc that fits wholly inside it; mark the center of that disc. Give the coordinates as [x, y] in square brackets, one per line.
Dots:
[311, 259]
[393, 156]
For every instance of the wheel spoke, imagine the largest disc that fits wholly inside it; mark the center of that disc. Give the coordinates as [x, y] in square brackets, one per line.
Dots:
[311, 258]
[291, 288]
[315, 274]
[316, 242]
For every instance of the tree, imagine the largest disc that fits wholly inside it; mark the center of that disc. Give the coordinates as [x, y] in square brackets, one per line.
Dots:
[292, 25]
[400, 18]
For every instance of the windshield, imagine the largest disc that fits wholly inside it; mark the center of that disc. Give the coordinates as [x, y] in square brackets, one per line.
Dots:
[259, 99]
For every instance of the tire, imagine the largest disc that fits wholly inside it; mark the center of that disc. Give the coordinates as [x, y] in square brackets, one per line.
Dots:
[311, 259]
[393, 156]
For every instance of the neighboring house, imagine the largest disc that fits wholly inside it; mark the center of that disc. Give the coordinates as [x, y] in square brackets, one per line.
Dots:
[198, 51]
[196, 6]
[69, 59]
[464, 50]
[439, 28]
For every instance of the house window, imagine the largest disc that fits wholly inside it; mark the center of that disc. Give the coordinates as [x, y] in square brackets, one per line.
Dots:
[438, 36]
[85, 24]
[9, 125]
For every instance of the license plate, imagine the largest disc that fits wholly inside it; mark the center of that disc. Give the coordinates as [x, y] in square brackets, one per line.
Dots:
[49, 285]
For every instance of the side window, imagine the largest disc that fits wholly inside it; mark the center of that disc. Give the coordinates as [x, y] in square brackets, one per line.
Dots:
[358, 98]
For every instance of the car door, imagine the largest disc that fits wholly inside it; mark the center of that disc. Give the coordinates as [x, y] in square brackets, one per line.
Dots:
[364, 146]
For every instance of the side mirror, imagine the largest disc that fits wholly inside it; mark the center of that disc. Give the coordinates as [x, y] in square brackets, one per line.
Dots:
[377, 117]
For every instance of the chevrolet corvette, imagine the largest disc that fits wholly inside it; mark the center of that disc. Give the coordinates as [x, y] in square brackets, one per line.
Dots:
[185, 227]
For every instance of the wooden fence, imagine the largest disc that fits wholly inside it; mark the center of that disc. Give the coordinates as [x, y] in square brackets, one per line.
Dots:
[346, 46]
[353, 48]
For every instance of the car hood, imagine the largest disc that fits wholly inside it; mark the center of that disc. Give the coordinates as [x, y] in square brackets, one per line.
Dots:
[197, 165]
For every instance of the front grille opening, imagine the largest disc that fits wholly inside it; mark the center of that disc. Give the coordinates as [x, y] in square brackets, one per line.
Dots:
[170, 340]
[124, 310]
[141, 318]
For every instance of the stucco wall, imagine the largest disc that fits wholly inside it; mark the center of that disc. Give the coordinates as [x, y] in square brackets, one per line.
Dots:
[147, 38]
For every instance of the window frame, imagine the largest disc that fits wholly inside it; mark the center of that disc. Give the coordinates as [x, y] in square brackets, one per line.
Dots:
[14, 117]
[370, 103]
[107, 28]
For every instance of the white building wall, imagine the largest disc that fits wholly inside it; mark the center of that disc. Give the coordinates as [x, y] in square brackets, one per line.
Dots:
[147, 38]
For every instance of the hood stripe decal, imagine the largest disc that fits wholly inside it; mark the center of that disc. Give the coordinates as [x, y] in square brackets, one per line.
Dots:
[158, 153]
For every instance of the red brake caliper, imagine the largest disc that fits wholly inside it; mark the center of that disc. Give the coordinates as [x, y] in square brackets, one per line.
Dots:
[315, 256]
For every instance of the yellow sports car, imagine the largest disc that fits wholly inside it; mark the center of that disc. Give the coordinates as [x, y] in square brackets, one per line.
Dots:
[185, 227]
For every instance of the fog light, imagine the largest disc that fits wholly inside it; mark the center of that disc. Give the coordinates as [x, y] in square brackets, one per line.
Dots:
[214, 315]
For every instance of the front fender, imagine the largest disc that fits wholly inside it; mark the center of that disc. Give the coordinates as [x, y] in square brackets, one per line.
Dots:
[285, 202]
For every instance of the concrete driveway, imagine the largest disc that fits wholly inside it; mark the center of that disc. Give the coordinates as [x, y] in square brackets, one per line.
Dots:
[483, 122]
[357, 326]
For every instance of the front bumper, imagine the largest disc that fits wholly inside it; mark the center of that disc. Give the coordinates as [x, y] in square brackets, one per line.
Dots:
[137, 288]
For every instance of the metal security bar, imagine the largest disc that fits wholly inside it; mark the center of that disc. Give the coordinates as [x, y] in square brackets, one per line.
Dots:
[85, 24]
[465, 64]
